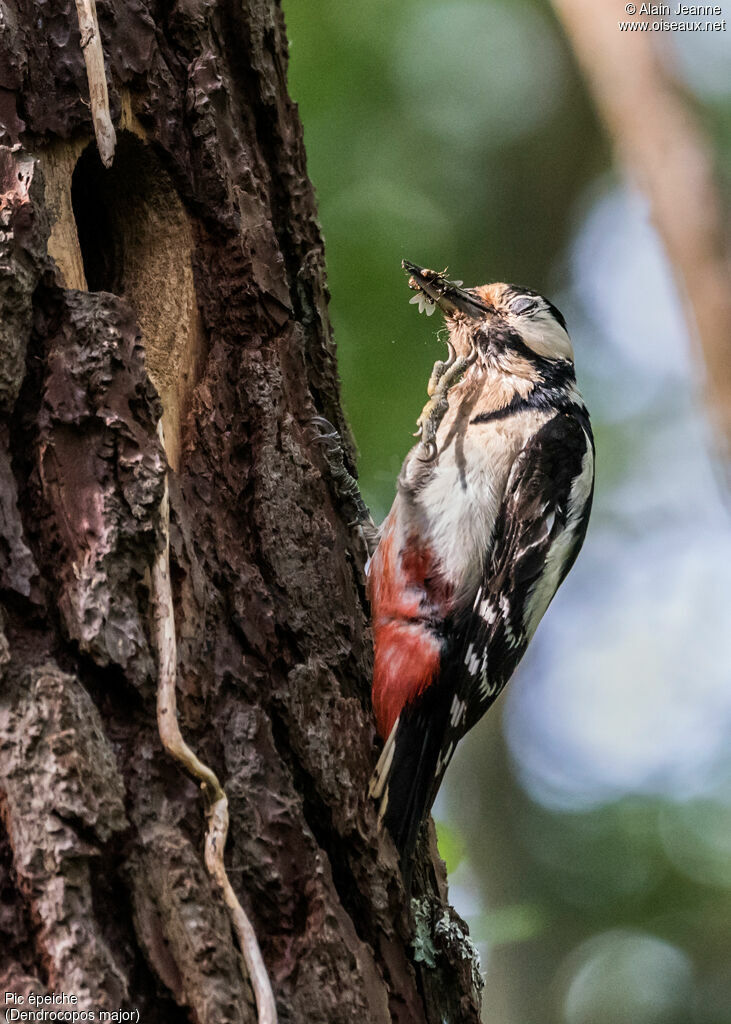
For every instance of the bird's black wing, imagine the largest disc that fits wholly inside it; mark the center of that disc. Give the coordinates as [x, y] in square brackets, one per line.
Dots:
[538, 533]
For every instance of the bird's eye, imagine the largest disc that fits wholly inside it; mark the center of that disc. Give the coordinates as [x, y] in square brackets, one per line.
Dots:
[523, 305]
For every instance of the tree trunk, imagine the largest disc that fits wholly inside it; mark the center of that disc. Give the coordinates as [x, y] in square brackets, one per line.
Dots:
[185, 282]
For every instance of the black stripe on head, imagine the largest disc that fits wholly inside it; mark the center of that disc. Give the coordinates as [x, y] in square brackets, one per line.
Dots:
[557, 314]
[554, 373]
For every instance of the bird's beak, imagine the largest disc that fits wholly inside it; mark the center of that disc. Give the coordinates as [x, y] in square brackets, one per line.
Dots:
[446, 294]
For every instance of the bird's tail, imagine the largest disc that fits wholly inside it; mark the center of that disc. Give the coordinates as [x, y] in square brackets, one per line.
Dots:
[409, 772]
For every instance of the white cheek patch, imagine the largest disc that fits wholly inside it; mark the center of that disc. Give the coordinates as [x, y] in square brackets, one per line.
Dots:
[544, 336]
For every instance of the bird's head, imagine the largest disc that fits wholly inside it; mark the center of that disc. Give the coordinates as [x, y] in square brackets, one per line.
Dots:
[498, 318]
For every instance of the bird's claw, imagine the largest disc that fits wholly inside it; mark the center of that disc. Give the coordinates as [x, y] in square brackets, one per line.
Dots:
[344, 484]
[444, 375]
[430, 451]
[324, 431]
[440, 368]
[428, 424]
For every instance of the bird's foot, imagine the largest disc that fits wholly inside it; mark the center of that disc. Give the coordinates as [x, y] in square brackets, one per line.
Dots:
[440, 368]
[345, 486]
[443, 376]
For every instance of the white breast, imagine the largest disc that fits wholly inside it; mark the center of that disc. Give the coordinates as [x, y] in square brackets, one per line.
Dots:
[455, 500]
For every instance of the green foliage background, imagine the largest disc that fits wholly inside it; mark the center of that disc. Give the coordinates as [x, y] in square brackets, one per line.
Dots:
[460, 134]
[409, 160]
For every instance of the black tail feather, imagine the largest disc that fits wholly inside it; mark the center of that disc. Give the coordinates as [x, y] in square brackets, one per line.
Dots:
[415, 768]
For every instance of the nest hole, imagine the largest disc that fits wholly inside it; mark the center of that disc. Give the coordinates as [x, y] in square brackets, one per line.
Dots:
[136, 241]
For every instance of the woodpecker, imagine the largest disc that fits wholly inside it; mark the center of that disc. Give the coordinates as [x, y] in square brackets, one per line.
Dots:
[491, 510]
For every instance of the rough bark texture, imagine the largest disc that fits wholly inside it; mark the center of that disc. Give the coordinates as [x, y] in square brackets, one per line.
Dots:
[187, 281]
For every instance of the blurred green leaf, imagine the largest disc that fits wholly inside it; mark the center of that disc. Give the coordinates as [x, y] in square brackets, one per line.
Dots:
[451, 845]
[516, 923]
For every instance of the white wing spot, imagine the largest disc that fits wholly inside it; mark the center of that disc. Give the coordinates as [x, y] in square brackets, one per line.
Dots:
[544, 589]
[487, 612]
[457, 711]
[472, 660]
[505, 608]
[444, 757]
[486, 687]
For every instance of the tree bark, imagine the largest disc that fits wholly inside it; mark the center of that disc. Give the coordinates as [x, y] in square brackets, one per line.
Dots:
[184, 283]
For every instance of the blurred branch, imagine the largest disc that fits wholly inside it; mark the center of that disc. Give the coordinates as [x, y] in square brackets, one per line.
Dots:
[665, 149]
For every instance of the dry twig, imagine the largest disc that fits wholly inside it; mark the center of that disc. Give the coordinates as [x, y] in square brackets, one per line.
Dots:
[91, 44]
